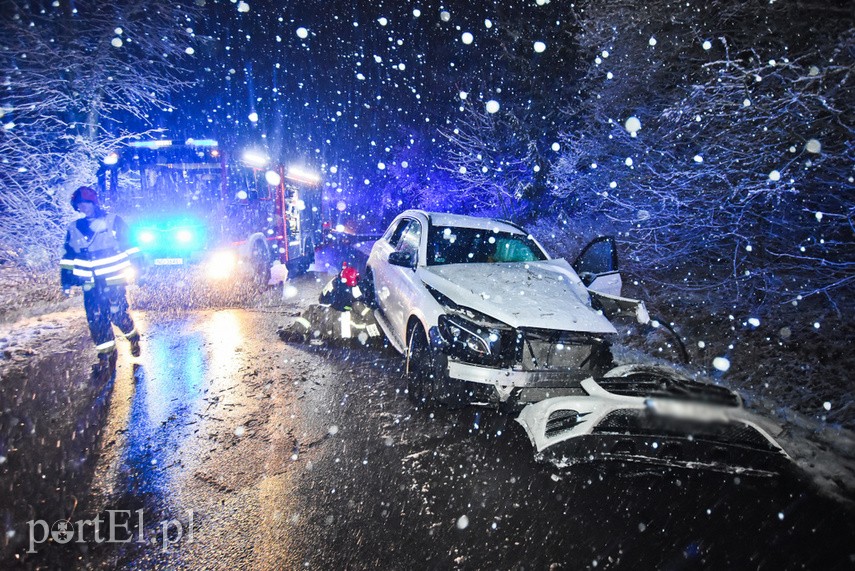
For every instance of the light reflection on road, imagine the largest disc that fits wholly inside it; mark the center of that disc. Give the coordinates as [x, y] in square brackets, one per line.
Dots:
[184, 359]
[223, 332]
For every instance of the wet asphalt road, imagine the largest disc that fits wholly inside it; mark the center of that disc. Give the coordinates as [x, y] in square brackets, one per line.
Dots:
[227, 448]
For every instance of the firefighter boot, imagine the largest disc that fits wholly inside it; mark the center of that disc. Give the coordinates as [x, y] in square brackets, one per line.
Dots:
[135, 344]
[105, 367]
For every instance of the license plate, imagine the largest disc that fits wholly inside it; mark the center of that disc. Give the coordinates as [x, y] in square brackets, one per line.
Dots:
[168, 261]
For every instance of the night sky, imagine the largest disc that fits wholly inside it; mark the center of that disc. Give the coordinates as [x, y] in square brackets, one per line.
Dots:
[354, 88]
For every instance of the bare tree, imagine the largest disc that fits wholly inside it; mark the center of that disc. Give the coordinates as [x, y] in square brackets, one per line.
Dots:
[739, 178]
[77, 79]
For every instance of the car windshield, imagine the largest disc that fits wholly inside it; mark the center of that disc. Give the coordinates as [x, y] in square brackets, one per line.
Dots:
[456, 245]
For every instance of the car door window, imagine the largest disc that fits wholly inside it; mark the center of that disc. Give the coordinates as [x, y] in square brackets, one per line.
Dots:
[409, 242]
[398, 232]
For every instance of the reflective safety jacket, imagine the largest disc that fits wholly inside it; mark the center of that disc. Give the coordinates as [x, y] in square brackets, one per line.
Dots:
[97, 252]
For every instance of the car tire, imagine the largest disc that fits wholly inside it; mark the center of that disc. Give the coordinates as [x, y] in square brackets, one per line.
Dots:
[427, 373]
[419, 366]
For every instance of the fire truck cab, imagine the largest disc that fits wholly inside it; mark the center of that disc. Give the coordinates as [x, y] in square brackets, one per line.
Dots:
[192, 204]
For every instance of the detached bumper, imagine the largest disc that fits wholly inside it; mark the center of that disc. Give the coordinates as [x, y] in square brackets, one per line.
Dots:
[607, 425]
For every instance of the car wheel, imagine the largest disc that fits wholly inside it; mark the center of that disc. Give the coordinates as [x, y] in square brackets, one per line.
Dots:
[419, 366]
[427, 378]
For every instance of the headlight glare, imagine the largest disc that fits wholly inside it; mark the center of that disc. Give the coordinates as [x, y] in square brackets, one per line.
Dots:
[221, 265]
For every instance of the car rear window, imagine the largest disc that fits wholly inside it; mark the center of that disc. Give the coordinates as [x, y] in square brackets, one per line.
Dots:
[455, 245]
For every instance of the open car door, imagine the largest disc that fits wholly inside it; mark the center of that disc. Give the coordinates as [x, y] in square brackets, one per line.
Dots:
[597, 266]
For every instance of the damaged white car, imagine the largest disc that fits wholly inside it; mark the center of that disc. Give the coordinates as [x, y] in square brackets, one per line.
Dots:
[483, 314]
[650, 414]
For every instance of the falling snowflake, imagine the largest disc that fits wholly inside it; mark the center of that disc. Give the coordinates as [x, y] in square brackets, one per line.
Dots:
[632, 125]
[813, 146]
[539, 47]
[721, 364]
[492, 106]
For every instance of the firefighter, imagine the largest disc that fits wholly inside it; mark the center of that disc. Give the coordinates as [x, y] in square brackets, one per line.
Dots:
[341, 317]
[342, 291]
[99, 258]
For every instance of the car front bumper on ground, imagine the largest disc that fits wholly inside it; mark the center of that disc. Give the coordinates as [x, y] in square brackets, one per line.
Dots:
[684, 432]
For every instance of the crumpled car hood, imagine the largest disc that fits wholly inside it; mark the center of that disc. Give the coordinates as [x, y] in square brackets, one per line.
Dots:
[545, 295]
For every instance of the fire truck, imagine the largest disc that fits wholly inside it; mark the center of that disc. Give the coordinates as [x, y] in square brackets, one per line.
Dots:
[193, 204]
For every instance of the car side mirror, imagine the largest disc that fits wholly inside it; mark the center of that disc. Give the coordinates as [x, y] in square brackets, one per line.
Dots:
[402, 259]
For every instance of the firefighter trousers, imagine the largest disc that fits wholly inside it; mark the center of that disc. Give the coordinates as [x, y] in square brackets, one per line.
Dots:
[107, 305]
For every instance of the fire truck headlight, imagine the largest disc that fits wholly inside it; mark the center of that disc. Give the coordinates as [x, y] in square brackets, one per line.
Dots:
[146, 237]
[221, 265]
[184, 236]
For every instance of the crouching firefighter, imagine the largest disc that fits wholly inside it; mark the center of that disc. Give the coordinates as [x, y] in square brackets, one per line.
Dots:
[99, 258]
[342, 317]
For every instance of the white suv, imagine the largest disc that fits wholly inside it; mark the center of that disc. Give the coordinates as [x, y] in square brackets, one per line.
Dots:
[483, 314]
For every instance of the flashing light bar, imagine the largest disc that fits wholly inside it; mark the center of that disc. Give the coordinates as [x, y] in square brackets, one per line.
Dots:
[301, 175]
[151, 144]
[201, 143]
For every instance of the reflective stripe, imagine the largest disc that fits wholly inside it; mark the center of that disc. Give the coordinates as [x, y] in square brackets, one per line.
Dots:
[372, 330]
[82, 273]
[116, 280]
[357, 293]
[345, 325]
[131, 333]
[100, 262]
[106, 347]
[112, 269]
[304, 322]
[66, 264]
[132, 250]
[365, 311]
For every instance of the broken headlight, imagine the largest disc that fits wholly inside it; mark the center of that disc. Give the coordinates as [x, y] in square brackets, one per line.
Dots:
[469, 340]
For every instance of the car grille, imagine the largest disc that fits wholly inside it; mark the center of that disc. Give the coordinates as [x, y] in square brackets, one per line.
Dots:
[538, 349]
[643, 423]
[645, 385]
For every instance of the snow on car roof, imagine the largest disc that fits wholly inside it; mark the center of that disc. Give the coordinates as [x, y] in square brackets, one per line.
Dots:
[460, 221]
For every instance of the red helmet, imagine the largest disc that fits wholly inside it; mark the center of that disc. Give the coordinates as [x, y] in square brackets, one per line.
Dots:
[349, 275]
[84, 194]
